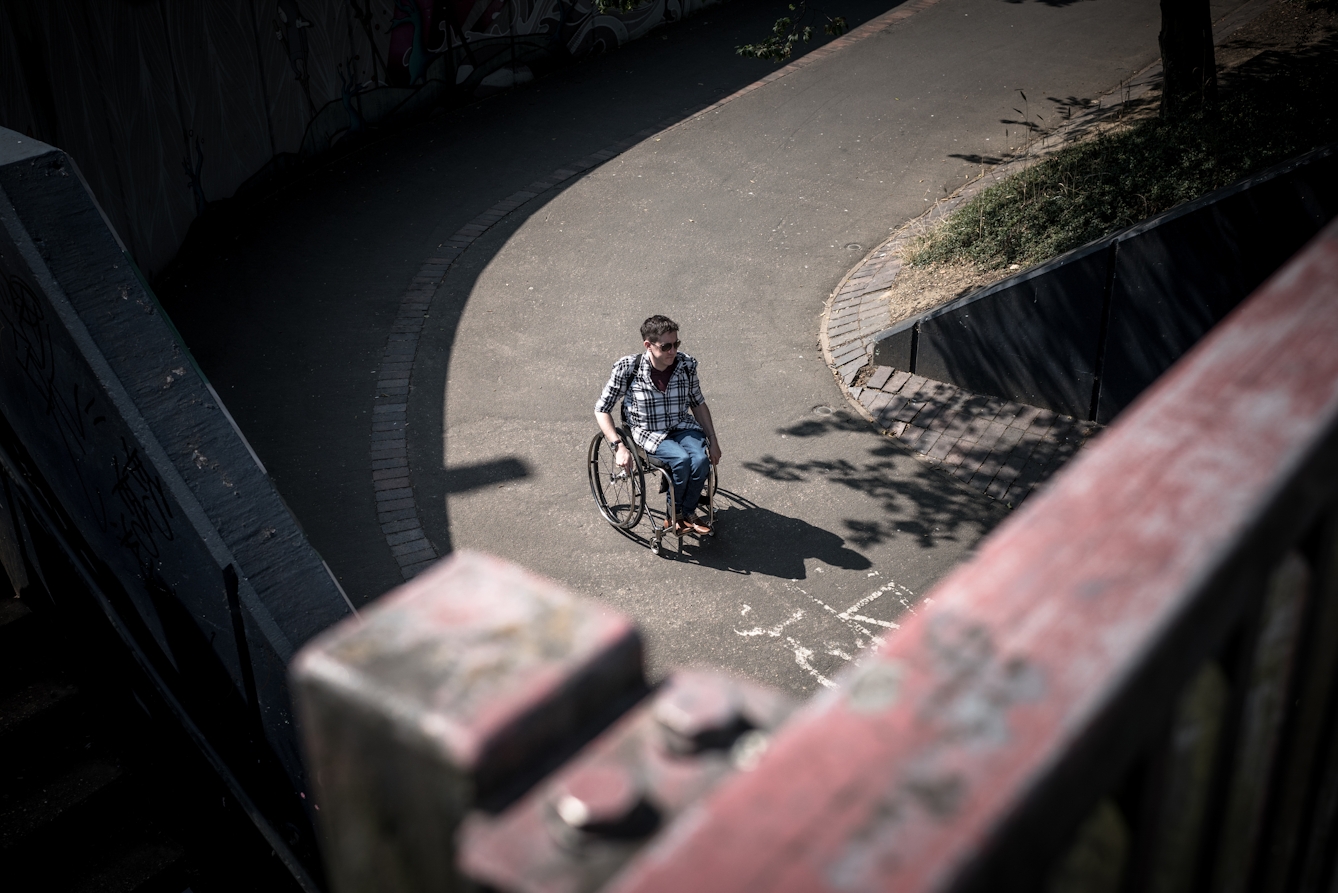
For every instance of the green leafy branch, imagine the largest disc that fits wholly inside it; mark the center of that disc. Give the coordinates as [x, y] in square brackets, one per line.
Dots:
[791, 29]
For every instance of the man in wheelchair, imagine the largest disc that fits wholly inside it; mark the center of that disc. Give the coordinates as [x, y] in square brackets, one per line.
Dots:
[664, 407]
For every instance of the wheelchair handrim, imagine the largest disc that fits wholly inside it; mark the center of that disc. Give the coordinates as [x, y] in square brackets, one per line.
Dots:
[636, 498]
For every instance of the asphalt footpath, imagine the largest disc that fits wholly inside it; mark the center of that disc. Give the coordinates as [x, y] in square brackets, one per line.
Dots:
[737, 221]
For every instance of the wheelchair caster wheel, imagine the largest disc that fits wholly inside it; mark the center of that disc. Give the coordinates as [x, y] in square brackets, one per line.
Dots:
[655, 547]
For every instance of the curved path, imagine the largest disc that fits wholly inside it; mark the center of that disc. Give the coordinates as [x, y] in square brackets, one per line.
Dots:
[737, 222]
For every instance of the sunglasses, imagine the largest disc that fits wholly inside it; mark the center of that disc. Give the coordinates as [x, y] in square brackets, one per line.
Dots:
[672, 345]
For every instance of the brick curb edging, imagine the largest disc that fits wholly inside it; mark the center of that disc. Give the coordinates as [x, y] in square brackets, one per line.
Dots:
[855, 312]
[396, 508]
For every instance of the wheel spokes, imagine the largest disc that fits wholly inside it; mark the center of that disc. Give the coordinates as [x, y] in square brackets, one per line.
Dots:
[618, 492]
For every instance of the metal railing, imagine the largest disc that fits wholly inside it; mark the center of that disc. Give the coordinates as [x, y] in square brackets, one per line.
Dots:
[1131, 687]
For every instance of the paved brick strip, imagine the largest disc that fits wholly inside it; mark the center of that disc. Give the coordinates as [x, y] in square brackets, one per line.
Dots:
[396, 509]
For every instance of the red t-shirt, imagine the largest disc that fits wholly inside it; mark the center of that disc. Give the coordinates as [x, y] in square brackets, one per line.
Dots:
[661, 379]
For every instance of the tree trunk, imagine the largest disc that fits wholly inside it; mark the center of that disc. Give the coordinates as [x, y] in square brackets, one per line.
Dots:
[1189, 67]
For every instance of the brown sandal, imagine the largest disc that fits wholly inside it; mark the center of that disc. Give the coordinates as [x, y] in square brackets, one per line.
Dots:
[696, 526]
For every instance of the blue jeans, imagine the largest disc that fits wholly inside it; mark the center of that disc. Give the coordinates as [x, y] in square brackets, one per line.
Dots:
[684, 451]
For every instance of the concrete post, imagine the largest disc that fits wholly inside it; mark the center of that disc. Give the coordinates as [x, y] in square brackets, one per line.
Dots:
[457, 688]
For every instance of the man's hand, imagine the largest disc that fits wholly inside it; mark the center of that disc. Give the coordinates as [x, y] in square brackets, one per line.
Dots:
[702, 414]
[623, 457]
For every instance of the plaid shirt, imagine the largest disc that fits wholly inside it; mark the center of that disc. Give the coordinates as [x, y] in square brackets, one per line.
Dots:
[653, 415]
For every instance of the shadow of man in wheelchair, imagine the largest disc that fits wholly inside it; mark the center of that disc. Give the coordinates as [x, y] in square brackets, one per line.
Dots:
[755, 540]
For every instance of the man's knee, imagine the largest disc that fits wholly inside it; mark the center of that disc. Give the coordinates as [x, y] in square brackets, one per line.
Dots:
[701, 463]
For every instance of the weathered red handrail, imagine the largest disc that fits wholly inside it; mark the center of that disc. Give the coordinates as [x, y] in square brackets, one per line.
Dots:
[964, 753]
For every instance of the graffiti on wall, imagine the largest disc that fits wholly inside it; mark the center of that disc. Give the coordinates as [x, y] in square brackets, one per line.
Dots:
[169, 106]
[407, 56]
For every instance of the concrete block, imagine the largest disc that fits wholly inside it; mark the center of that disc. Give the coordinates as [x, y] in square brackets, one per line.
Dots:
[1181, 273]
[1032, 338]
[895, 346]
[451, 689]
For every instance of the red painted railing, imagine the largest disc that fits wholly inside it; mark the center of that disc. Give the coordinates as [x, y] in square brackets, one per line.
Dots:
[1129, 688]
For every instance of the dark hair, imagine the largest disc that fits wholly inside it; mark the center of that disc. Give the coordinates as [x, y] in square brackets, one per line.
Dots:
[653, 328]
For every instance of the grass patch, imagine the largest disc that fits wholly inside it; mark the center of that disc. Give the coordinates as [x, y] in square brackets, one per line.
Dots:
[1273, 107]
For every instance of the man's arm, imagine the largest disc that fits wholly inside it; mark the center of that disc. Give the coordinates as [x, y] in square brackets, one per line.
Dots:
[608, 399]
[623, 456]
[702, 413]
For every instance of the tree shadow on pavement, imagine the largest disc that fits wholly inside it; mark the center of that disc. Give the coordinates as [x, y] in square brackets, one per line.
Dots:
[917, 502]
[754, 540]
[477, 475]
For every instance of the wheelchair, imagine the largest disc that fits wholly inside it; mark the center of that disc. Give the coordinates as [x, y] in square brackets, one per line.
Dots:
[621, 495]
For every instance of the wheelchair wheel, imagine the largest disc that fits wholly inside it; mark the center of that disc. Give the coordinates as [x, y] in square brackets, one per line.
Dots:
[620, 495]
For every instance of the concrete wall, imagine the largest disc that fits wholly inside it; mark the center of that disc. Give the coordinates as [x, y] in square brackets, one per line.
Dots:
[127, 485]
[1086, 333]
[168, 106]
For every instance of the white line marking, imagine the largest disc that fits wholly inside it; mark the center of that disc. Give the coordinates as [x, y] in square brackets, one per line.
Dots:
[801, 656]
[886, 624]
[859, 630]
[873, 596]
[775, 631]
[859, 624]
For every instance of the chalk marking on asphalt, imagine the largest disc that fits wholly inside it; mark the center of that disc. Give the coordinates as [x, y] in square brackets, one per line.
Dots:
[775, 631]
[830, 610]
[871, 597]
[886, 624]
[853, 621]
[801, 656]
[862, 633]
